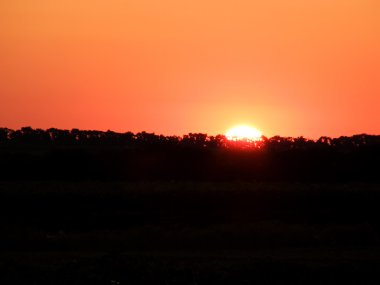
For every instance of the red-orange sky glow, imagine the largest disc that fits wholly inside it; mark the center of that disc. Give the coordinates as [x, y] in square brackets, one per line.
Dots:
[286, 67]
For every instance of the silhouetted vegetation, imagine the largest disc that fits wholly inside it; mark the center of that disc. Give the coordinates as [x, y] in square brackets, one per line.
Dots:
[76, 154]
[90, 207]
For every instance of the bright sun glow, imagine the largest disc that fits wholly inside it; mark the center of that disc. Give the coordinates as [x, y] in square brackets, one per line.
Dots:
[244, 133]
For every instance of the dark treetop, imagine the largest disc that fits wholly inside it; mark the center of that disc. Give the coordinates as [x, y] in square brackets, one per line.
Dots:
[55, 154]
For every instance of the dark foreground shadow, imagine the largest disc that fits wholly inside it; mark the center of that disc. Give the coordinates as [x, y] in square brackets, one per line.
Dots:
[56, 232]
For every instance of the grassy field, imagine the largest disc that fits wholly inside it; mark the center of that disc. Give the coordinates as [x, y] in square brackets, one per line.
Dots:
[55, 232]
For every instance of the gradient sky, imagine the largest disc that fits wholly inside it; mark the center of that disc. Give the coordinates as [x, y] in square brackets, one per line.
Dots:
[287, 67]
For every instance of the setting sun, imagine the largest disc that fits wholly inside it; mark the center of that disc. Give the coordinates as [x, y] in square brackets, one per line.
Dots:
[244, 133]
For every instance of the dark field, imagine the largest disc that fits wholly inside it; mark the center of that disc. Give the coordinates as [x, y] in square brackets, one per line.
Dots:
[189, 233]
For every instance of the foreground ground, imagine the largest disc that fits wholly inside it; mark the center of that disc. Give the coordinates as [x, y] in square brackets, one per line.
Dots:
[189, 233]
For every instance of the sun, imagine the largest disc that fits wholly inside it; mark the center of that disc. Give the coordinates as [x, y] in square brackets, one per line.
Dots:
[245, 133]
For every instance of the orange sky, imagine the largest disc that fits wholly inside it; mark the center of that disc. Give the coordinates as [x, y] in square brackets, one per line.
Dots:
[287, 67]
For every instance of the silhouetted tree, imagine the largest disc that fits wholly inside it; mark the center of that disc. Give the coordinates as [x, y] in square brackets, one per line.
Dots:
[94, 154]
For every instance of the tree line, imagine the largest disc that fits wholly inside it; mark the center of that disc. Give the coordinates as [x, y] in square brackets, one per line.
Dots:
[53, 136]
[78, 154]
